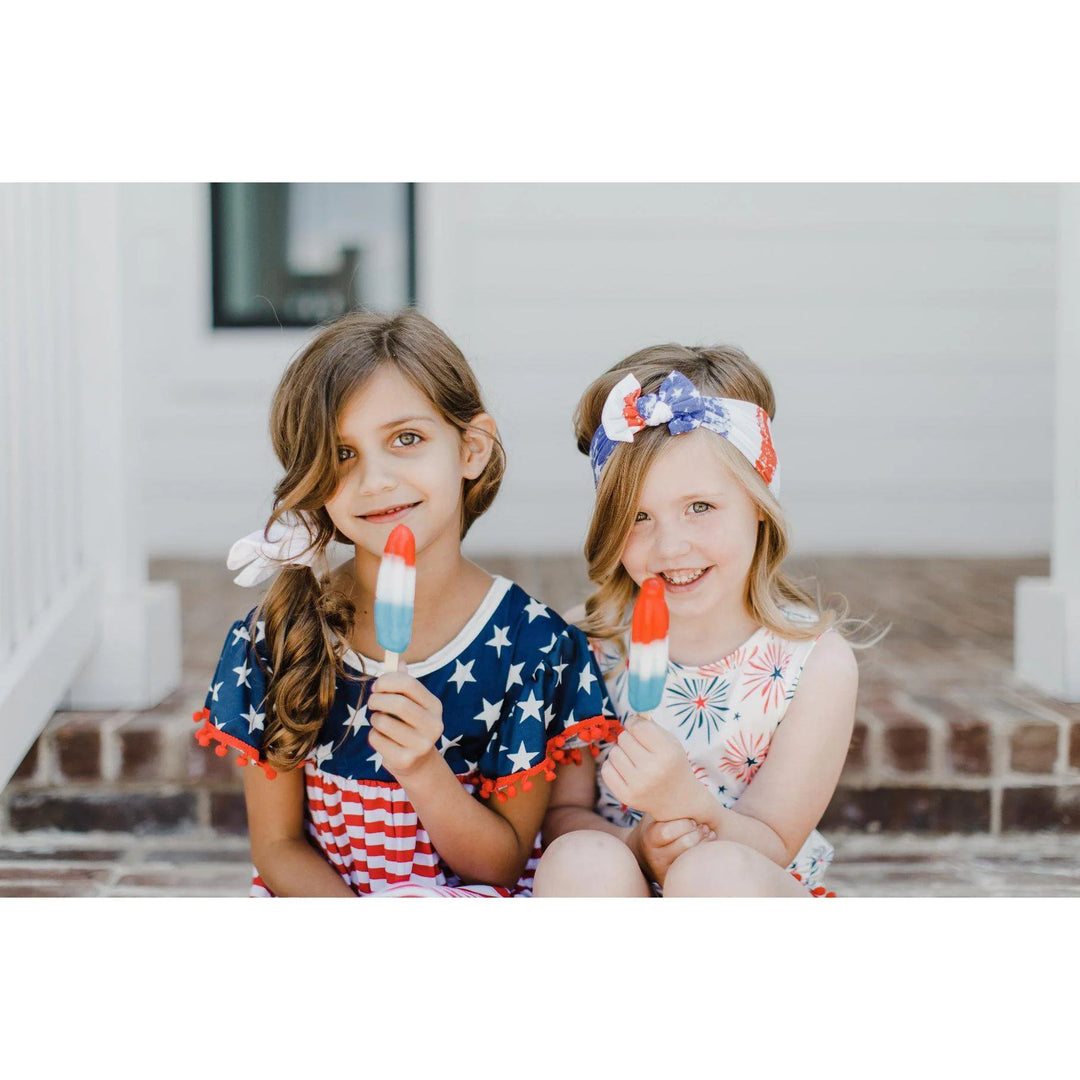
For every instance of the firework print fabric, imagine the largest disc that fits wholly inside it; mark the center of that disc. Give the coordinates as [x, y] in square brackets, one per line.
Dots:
[726, 714]
[520, 689]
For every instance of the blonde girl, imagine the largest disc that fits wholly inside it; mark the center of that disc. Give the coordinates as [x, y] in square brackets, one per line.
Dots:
[431, 779]
[719, 791]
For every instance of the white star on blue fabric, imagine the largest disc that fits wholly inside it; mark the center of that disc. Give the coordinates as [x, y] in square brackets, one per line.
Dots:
[499, 639]
[322, 753]
[522, 760]
[214, 688]
[549, 715]
[240, 634]
[242, 672]
[515, 675]
[357, 718]
[530, 706]
[260, 631]
[377, 758]
[585, 680]
[558, 669]
[534, 608]
[445, 744]
[548, 648]
[254, 719]
[489, 713]
[462, 674]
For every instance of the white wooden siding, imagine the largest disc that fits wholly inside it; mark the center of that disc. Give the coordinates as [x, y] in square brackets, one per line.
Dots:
[908, 330]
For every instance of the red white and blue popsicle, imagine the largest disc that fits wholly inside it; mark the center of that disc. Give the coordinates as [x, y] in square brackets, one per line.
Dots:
[395, 588]
[648, 647]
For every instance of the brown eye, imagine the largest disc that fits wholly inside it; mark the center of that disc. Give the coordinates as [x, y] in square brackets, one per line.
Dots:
[641, 516]
[343, 454]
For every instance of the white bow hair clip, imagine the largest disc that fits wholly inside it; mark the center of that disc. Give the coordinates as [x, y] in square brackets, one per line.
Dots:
[287, 543]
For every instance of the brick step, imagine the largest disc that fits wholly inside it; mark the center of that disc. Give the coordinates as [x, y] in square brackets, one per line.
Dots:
[112, 864]
[136, 810]
[898, 739]
[137, 773]
[922, 764]
[214, 807]
[123, 747]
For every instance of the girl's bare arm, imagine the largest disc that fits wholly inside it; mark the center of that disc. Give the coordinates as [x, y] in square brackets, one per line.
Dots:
[573, 799]
[288, 864]
[484, 841]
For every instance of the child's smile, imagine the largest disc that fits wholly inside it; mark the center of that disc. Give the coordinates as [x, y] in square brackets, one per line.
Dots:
[388, 514]
[680, 581]
[696, 529]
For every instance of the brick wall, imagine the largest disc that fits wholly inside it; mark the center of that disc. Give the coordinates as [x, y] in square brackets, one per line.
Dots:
[126, 772]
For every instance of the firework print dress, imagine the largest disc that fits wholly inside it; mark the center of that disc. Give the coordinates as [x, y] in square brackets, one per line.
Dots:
[726, 714]
[520, 689]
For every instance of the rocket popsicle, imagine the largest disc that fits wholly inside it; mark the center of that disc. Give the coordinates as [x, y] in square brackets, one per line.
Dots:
[394, 591]
[648, 647]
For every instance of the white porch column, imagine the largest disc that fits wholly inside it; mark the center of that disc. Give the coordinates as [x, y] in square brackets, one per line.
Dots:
[137, 659]
[1047, 624]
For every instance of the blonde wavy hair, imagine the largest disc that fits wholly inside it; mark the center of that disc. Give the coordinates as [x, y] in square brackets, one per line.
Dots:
[718, 371]
[307, 622]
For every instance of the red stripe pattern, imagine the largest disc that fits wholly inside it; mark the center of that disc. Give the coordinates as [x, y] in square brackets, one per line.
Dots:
[370, 833]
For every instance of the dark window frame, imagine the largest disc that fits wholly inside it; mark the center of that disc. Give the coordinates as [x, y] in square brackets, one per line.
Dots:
[221, 320]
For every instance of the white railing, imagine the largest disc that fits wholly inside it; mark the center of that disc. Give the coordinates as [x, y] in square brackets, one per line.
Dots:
[49, 342]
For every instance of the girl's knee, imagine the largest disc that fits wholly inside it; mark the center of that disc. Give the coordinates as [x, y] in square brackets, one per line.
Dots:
[588, 862]
[715, 868]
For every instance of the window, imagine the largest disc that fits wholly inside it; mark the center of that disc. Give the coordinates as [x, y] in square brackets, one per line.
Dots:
[300, 254]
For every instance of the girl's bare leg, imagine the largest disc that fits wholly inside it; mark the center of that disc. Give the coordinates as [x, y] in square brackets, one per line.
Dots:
[725, 868]
[589, 862]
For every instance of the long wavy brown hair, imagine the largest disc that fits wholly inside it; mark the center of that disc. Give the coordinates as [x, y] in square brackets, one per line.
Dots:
[307, 622]
[720, 371]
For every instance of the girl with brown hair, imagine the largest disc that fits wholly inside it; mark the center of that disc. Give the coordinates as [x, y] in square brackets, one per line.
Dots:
[712, 795]
[420, 780]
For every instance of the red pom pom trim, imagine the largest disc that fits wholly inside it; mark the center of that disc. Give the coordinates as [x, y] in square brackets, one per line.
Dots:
[246, 755]
[595, 729]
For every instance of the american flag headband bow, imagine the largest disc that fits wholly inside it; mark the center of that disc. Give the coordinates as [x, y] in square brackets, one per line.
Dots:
[680, 405]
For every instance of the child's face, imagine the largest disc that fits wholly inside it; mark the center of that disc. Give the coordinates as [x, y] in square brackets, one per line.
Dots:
[400, 461]
[696, 528]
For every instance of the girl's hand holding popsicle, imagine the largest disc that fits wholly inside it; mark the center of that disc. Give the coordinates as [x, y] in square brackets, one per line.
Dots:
[406, 717]
[648, 769]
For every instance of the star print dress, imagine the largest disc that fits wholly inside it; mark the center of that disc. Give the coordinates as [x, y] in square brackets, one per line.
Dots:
[520, 691]
[726, 714]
